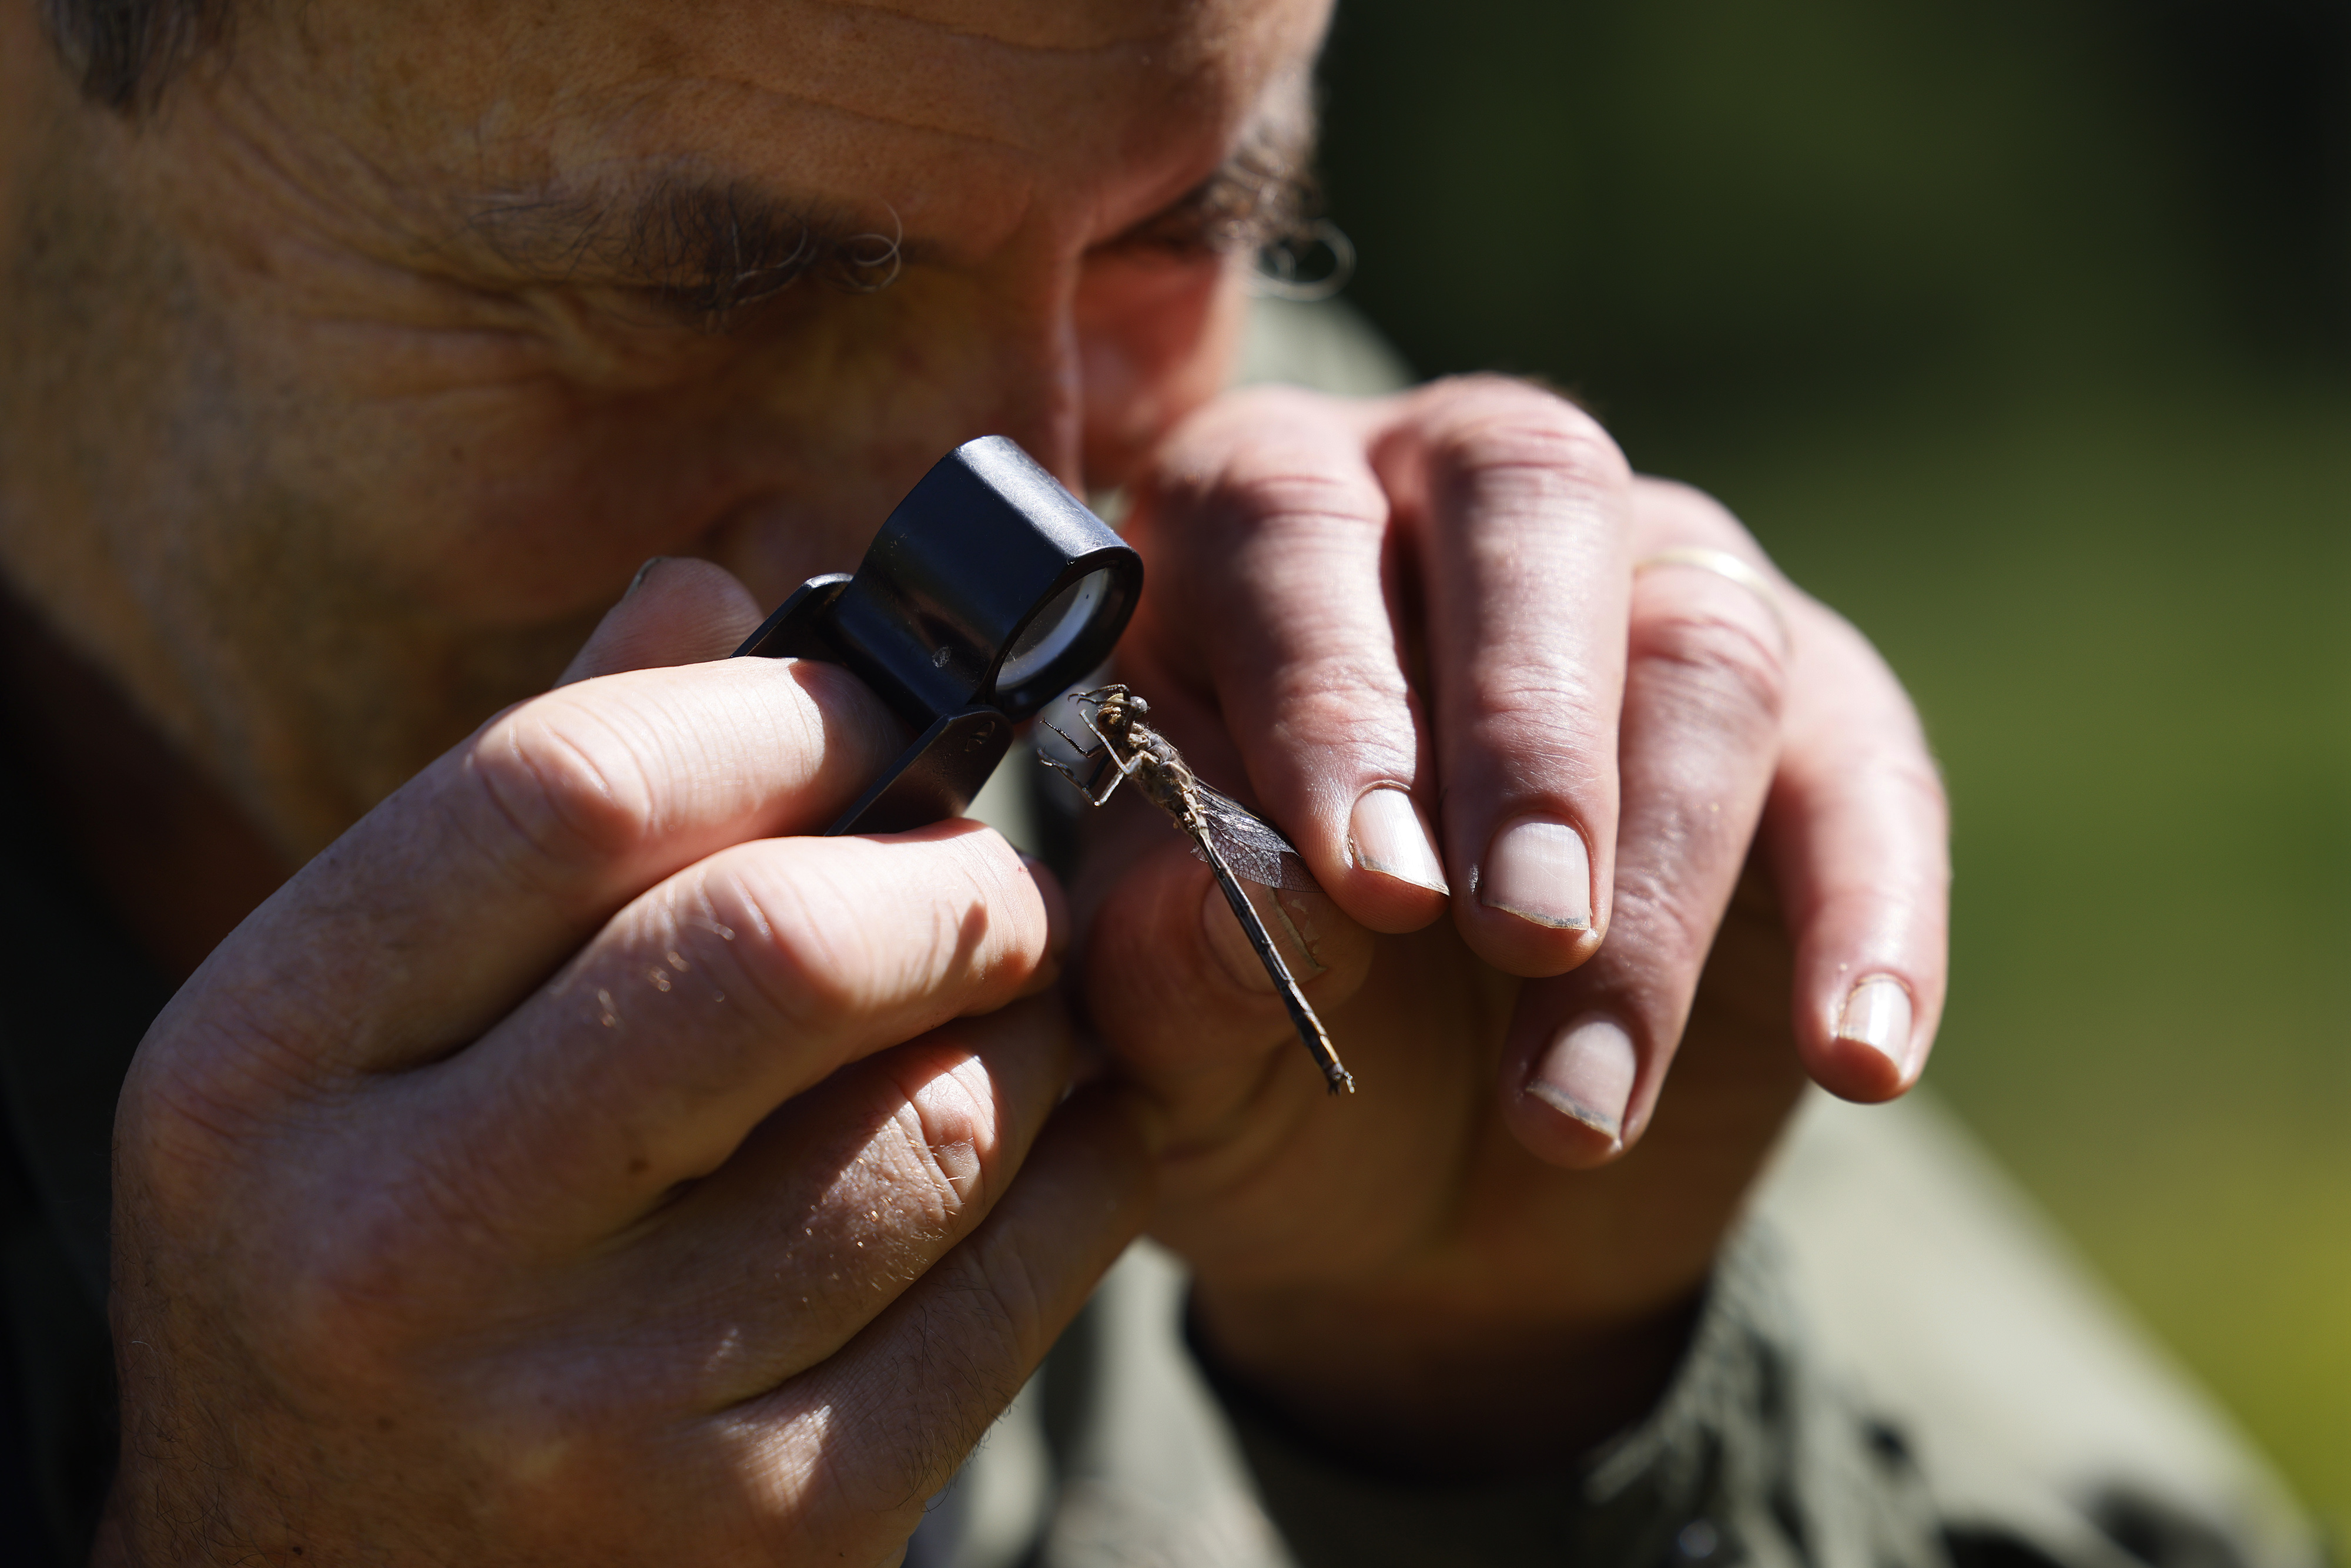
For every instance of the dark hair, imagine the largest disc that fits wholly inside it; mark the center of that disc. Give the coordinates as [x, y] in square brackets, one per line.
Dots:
[125, 51]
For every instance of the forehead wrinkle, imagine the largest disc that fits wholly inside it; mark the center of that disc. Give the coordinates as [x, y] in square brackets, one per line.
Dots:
[572, 216]
[879, 65]
[898, 170]
[1108, 38]
[829, 106]
[1108, 117]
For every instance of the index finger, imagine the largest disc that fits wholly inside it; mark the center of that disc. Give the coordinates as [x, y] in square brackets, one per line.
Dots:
[1267, 529]
[447, 904]
[1299, 545]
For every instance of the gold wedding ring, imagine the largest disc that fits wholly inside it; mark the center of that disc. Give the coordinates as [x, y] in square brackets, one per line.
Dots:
[1724, 565]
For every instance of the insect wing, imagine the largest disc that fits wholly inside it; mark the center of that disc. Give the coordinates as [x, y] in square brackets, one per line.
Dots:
[1249, 844]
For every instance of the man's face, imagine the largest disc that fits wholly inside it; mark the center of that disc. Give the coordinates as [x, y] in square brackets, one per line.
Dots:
[348, 388]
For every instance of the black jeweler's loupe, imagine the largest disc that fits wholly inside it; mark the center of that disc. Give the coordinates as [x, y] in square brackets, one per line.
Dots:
[988, 593]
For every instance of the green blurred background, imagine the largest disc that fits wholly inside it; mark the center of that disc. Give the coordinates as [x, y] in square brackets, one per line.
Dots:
[2022, 333]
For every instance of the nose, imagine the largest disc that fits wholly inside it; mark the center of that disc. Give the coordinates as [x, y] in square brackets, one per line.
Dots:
[1030, 367]
[843, 419]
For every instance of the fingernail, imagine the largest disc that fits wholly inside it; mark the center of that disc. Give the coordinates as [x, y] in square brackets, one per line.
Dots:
[1877, 1015]
[643, 572]
[1587, 1073]
[1540, 872]
[1386, 835]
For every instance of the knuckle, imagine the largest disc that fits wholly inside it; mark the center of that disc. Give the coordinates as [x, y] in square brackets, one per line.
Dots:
[1301, 493]
[820, 942]
[1361, 705]
[1508, 440]
[1721, 658]
[559, 781]
[796, 945]
[1271, 455]
[1912, 775]
[1552, 719]
[1657, 929]
[944, 1133]
[202, 1095]
[895, 1199]
[1294, 493]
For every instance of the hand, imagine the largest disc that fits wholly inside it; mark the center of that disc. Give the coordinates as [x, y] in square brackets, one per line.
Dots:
[571, 1165]
[1425, 611]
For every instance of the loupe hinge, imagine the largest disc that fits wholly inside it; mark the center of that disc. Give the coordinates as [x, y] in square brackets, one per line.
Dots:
[987, 590]
[796, 631]
[934, 778]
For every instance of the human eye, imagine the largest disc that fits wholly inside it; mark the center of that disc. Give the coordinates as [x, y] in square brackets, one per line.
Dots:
[1258, 199]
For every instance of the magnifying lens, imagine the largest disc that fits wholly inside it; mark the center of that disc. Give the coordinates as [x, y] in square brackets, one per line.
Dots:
[988, 593]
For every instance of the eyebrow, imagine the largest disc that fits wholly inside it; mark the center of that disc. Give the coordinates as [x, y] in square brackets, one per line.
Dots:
[1264, 192]
[708, 248]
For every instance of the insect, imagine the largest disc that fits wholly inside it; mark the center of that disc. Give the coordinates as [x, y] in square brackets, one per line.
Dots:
[1234, 841]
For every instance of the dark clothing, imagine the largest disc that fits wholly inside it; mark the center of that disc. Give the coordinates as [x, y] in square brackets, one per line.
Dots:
[84, 999]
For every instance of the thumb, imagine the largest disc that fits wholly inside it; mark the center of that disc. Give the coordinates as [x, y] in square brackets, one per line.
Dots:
[679, 611]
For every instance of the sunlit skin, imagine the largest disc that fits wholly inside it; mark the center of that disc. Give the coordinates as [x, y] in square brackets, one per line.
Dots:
[573, 1160]
[386, 264]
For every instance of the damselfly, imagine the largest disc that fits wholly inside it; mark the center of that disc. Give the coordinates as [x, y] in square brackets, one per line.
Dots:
[1234, 841]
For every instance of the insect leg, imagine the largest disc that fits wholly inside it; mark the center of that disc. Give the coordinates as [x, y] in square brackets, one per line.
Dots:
[1082, 787]
[1083, 755]
[1082, 752]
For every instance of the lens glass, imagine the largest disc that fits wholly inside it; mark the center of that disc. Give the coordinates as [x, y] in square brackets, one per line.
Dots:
[1051, 631]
